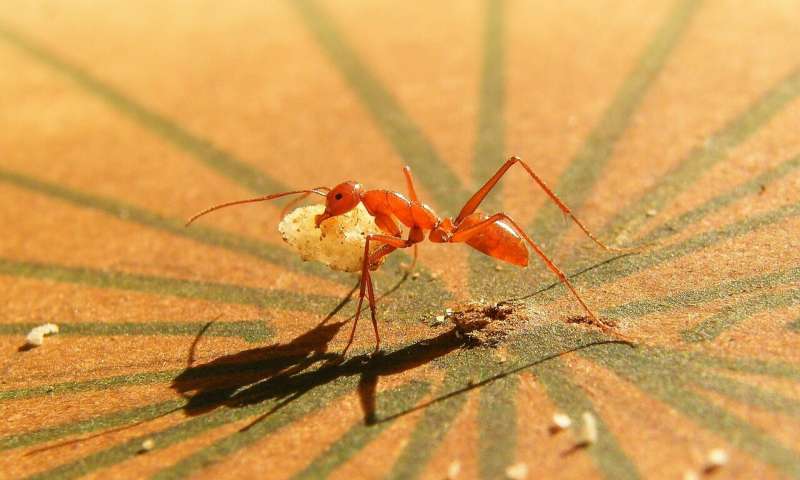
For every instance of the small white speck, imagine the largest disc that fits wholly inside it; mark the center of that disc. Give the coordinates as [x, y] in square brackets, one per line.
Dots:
[651, 213]
[148, 445]
[453, 470]
[518, 471]
[717, 458]
[561, 421]
[691, 475]
[36, 336]
[589, 431]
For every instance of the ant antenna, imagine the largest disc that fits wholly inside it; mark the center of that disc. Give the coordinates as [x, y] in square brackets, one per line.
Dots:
[319, 191]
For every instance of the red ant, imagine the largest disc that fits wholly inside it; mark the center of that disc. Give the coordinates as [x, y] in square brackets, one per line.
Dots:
[498, 235]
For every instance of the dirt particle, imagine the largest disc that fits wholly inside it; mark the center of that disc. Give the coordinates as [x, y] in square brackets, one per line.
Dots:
[489, 324]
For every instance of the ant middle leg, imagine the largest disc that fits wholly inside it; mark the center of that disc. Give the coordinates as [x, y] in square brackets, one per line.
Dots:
[476, 199]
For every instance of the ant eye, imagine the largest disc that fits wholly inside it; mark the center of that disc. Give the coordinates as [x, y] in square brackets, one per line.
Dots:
[338, 196]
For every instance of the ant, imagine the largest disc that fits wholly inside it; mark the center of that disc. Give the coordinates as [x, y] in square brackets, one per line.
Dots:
[498, 235]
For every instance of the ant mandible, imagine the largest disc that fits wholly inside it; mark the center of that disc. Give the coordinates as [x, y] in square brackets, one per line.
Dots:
[498, 235]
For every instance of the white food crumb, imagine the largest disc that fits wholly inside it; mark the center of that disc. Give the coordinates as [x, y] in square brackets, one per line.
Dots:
[453, 470]
[561, 421]
[717, 458]
[148, 445]
[448, 311]
[589, 430]
[36, 336]
[651, 213]
[518, 471]
[338, 242]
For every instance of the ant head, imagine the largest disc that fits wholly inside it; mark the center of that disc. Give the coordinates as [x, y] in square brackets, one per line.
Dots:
[343, 198]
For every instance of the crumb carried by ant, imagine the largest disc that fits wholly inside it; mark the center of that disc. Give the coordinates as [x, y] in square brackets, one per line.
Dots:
[588, 435]
[454, 470]
[437, 321]
[518, 471]
[561, 421]
[717, 458]
[147, 445]
[338, 242]
[36, 336]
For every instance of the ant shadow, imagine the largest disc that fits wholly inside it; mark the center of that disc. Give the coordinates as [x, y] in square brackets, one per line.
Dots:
[285, 372]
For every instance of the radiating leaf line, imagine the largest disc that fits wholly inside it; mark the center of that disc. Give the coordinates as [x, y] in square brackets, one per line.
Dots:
[628, 265]
[225, 371]
[360, 435]
[129, 213]
[293, 411]
[112, 420]
[662, 379]
[692, 298]
[585, 169]
[768, 400]
[490, 141]
[698, 374]
[250, 331]
[570, 398]
[715, 149]
[749, 187]
[397, 126]
[497, 426]
[716, 325]
[107, 383]
[167, 129]
[198, 290]
[751, 366]
[794, 325]
[436, 421]
[164, 438]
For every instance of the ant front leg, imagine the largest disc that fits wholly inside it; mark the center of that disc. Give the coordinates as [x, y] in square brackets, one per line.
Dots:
[366, 285]
[475, 201]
